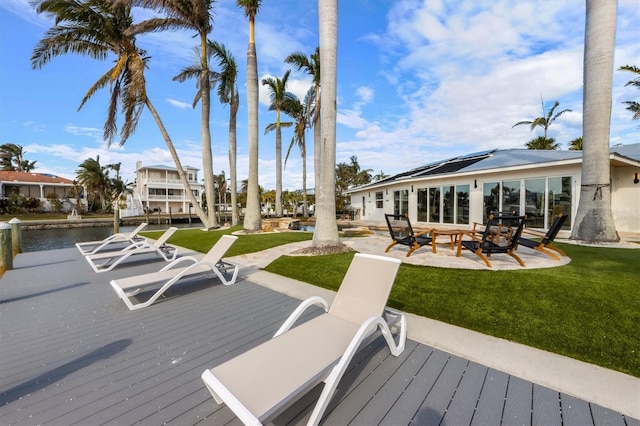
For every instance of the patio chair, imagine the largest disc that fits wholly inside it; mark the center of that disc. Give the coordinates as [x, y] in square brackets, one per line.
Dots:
[263, 381]
[544, 245]
[487, 245]
[402, 233]
[103, 262]
[210, 265]
[91, 247]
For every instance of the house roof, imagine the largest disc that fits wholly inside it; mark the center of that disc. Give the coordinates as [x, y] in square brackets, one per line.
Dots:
[504, 158]
[169, 168]
[30, 177]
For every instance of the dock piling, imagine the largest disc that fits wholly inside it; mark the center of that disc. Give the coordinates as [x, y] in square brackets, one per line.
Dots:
[16, 236]
[6, 250]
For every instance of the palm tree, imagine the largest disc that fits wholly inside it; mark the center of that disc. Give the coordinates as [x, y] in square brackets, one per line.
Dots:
[96, 28]
[93, 176]
[279, 95]
[311, 65]
[634, 106]
[576, 144]
[228, 94]
[594, 219]
[117, 190]
[299, 112]
[326, 231]
[546, 120]
[190, 15]
[12, 159]
[542, 142]
[252, 213]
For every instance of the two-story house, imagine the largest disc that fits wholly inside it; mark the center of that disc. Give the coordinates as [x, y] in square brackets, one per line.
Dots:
[160, 188]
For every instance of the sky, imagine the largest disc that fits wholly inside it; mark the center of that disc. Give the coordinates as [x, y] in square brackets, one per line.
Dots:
[418, 81]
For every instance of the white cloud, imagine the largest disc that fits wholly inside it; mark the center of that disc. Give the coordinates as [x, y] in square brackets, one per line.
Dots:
[179, 104]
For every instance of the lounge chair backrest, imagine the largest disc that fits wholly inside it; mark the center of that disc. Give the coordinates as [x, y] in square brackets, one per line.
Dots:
[552, 233]
[399, 226]
[495, 222]
[164, 237]
[137, 230]
[219, 249]
[365, 289]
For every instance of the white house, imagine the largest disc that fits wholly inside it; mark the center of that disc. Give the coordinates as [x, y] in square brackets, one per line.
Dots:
[160, 188]
[463, 190]
[39, 185]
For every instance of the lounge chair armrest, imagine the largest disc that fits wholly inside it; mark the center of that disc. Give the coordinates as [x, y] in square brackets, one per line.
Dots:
[223, 395]
[179, 261]
[331, 382]
[419, 234]
[314, 300]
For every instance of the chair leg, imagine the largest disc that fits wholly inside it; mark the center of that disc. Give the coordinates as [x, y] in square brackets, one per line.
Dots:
[549, 246]
[412, 248]
[483, 257]
[547, 252]
[516, 257]
[391, 245]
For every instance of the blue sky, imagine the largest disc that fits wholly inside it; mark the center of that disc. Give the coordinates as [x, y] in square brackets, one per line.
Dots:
[418, 81]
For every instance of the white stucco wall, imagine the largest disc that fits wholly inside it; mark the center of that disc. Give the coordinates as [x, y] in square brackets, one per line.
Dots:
[625, 194]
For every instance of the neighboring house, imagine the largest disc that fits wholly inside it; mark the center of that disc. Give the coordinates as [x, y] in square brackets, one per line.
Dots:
[158, 188]
[38, 185]
[539, 183]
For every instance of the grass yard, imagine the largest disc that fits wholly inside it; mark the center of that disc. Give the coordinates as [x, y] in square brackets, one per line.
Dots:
[588, 310]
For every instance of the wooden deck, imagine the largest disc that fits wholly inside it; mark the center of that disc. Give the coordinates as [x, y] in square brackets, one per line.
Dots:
[72, 353]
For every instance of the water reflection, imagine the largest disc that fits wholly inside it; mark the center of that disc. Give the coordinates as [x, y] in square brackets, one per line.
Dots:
[58, 238]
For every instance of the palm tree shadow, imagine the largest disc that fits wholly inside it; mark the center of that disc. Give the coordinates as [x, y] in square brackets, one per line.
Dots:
[50, 377]
[41, 293]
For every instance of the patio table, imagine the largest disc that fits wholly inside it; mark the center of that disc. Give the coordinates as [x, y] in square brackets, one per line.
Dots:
[453, 234]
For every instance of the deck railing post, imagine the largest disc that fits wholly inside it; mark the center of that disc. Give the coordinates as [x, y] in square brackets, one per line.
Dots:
[6, 252]
[16, 236]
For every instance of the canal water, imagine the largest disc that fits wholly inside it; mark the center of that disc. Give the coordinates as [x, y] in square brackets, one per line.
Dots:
[58, 238]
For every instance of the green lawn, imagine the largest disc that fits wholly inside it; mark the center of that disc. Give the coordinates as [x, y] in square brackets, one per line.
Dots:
[587, 310]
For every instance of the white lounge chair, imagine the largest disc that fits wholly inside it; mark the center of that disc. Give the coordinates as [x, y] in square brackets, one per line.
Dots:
[170, 274]
[103, 262]
[91, 247]
[261, 382]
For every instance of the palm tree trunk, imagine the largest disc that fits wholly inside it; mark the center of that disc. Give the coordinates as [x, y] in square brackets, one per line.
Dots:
[594, 219]
[252, 214]
[326, 231]
[233, 111]
[317, 151]
[207, 157]
[183, 177]
[278, 165]
[305, 208]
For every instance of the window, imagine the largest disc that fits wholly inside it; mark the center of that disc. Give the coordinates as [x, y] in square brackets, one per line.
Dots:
[540, 205]
[448, 204]
[462, 204]
[401, 202]
[423, 205]
[434, 205]
[559, 199]
[379, 200]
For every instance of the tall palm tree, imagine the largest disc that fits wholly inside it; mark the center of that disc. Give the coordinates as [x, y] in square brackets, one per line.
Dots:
[326, 231]
[546, 120]
[93, 176]
[541, 142]
[594, 219]
[634, 106]
[576, 144]
[189, 15]
[311, 65]
[278, 95]
[228, 94]
[12, 158]
[252, 212]
[98, 28]
[300, 113]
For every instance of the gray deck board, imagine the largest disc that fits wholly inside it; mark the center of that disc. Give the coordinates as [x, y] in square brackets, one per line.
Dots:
[72, 353]
[517, 405]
